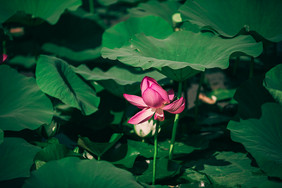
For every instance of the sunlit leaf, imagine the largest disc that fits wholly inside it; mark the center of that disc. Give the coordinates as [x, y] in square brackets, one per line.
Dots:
[222, 94]
[262, 138]
[197, 51]
[23, 105]
[263, 17]
[50, 10]
[273, 82]
[121, 33]
[56, 78]
[16, 158]
[73, 172]
[164, 9]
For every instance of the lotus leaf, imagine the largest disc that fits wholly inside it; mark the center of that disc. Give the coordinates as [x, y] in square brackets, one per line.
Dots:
[23, 105]
[273, 82]
[56, 78]
[73, 172]
[262, 138]
[16, 158]
[229, 17]
[50, 10]
[182, 49]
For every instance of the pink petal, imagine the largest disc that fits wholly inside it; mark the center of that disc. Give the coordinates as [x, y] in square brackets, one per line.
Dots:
[175, 107]
[152, 98]
[170, 94]
[161, 91]
[142, 116]
[135, 100]
[159, 115]
[4, 57]
[147, 82]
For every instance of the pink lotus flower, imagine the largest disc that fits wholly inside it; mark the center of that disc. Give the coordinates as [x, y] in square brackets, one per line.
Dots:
[154, 101]
[4, 57]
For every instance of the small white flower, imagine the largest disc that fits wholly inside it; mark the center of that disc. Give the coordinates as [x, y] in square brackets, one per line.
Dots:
[145, 129]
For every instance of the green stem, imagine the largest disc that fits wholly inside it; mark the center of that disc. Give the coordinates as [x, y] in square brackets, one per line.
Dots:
[91, 6]
[252, 64]
[175, 125]
[197, 97]
[155, 153]
[99, 158]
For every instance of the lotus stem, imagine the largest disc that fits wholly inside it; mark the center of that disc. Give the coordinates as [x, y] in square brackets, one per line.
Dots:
[155, 153]
[175, 125]
[99, 158]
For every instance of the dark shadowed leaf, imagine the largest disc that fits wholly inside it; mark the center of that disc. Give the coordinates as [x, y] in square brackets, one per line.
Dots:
[16, 158]
[262, 138]
[23, 105]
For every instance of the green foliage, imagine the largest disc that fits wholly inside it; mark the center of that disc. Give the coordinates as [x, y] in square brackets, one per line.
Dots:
[273, 82]
[118, 80]
[261, 137]
[16, 158]
[23, 105]
[227, 169]
[57, 79]
[197, 51]
[262, 17]
[164, 10]
[1, 136]
[50, 10]
[73, 172]
[121, 34]
[97, 148]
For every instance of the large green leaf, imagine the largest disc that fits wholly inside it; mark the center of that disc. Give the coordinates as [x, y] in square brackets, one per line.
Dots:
[228, 169]
[262, 138]
[229, 17]
[56, 78]
[50, 10]
[121, 33]
[182, 49]
[273, 82]
[23, 105]
[164, 9]
[118, 80]
[16, 158]
[73, 172]
[63, 52]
